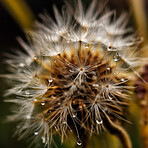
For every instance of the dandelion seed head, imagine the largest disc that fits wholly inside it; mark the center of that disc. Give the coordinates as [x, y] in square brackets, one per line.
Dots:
[73, 73]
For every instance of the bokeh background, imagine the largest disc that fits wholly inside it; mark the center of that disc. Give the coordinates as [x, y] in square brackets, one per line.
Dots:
[19, 15]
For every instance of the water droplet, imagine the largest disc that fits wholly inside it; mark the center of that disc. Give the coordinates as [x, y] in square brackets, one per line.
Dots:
[105, 109]
[42, 103]
[71, 70]
[28, 116]
[21, 64]
[108, 68]
[122, 79]
[50, 80]
[116, 57]
[64, 122]
[49, 111]
[74, 115]
[79, 142]
[87, 45]
[96, 85]
[99, 121]
[35, 57]
[110, 98]
[35, 99]
[60, 31]
[92, 130]
[43, 139]
[36, 133]
[109, 47]
[27, 92]
[53, 97]
[56, 128]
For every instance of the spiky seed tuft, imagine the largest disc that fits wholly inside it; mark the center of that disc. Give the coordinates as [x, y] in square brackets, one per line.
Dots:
[72, 74]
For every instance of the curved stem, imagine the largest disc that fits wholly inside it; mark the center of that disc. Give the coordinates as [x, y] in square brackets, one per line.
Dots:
[118, 131]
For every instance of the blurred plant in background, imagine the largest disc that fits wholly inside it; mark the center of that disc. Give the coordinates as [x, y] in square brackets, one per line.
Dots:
[112, 55]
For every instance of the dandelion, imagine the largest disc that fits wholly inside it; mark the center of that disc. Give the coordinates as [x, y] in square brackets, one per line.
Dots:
[74, 74]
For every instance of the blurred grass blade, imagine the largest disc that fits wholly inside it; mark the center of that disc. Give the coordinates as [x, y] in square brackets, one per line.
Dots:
[20, 12]
[138, 9]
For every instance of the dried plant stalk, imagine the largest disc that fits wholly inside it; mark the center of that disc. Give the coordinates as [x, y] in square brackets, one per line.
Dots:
[117, 130]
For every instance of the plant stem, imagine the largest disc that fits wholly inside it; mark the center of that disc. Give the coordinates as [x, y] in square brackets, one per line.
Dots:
[118, 131]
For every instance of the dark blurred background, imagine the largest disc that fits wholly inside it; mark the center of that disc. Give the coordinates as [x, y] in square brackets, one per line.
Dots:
[9, 30]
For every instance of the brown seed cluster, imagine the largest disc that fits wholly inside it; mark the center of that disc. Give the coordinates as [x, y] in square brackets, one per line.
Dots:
[82, 86]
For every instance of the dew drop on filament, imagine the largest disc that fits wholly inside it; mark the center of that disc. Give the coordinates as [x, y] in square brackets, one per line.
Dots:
[35, 57]
[36, 133]
[53, 97]
[110, 98]
[71, 70]
[64, 122]
[43, 103]
[122, 79]
[27, 92]
[108, 68]
[35, 99]
[56, 128]
[105, 109]
[96, 85]
[116, 57]
[21, 64]
[87, 45]
[43, 139]
[50, 80]
[28, 116]
[99, 121]
[92, 130]
[74, 115]
[110, 47]
[79, 142]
